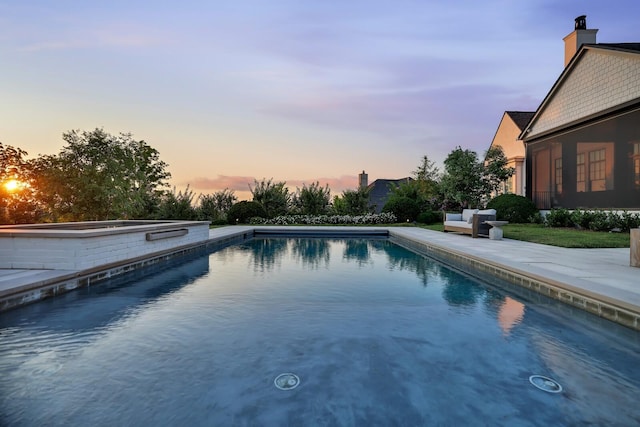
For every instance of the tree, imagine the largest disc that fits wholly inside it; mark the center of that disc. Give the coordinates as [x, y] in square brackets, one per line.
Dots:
[177, 205]
[214, 207]
[462, 179]
[274, 198]
[468, 182]
[426, 171]
[423, 188]
[352, 202]
[312, 200]
[496, 169]
[98, 176]
[17, 201]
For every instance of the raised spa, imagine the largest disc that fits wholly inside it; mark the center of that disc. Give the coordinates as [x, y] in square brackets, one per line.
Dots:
[87, 245]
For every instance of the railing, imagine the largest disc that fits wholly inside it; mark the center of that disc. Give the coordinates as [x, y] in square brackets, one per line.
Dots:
[545, 199]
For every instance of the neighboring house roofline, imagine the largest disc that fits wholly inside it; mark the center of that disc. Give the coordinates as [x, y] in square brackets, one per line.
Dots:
[390, 181]
[380, 188]
[625, 48]
[520, 118]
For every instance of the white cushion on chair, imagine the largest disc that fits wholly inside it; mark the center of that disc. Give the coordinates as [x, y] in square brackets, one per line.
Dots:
[467, 214]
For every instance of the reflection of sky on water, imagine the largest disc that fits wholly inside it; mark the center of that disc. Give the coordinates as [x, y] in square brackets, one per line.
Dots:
[510, 314]
[210, 331]
[81, 309]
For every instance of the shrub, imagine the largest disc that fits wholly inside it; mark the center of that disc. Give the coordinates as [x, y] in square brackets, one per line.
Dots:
[312, 200]
[352, 202]
[177, 205]
[581, 219]
[430, 217]
[629, 221]
[274, 198]
[214, 207]
[404, 208]
[383, 218]
[595, 220]
[600, 221]
[513, 208]
[242, 212]
[560, 217]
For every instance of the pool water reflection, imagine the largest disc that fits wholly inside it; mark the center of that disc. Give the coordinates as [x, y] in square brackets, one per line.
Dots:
[376, 334]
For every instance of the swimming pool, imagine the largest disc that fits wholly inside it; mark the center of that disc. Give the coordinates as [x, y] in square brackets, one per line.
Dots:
[376, 334]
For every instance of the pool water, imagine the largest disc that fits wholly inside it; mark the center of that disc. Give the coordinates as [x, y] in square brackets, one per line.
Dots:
[376, 334]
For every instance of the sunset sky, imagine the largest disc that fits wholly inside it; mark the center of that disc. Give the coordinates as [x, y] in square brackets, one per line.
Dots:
[298, 91]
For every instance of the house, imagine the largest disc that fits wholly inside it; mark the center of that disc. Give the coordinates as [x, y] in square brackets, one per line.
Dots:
[379, 190]
[507, 136]
[583, 142]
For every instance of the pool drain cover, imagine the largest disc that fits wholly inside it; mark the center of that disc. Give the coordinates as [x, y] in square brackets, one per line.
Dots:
[287, 381]
[545, 384]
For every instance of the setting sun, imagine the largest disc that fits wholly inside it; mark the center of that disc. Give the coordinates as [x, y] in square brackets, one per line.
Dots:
[12, 185]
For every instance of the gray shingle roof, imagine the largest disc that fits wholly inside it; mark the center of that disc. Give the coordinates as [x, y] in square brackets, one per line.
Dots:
[521, 118]
[620, 46]
[379, 191]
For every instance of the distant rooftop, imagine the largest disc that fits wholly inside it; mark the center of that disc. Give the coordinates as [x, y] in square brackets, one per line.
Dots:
[521, 118]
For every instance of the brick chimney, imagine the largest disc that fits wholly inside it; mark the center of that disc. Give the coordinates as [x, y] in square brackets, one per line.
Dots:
[577, 38]
[363, 180]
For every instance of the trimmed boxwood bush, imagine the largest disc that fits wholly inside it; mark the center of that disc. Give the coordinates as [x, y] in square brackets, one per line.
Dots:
[404, 208]
[430, 217]
[595, 220]
[560, 217]
[242, 212]
[513, 208]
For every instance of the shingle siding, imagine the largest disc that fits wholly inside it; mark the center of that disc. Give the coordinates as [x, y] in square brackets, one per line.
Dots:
[600, 81]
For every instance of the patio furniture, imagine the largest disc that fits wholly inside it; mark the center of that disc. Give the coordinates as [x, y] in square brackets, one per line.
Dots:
[496, 233]
[470, 221]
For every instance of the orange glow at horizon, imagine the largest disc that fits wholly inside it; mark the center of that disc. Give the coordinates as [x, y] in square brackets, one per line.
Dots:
[13, 185]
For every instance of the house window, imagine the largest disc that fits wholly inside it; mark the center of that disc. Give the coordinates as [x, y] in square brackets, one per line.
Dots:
[597, 169]
[558, 174]
[580, 173]
[594, 166]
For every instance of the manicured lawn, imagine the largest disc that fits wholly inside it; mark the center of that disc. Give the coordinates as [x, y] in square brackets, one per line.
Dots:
[563, 237]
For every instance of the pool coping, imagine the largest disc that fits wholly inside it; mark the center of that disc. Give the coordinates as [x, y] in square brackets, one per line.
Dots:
[30, 286]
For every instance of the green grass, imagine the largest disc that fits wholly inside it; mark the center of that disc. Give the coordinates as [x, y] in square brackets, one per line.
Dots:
[563, 237]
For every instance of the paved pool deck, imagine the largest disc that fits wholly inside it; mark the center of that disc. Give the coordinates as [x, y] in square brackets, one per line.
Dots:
[599, 280]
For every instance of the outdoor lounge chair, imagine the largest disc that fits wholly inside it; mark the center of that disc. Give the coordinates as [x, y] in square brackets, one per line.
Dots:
[470, 221]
